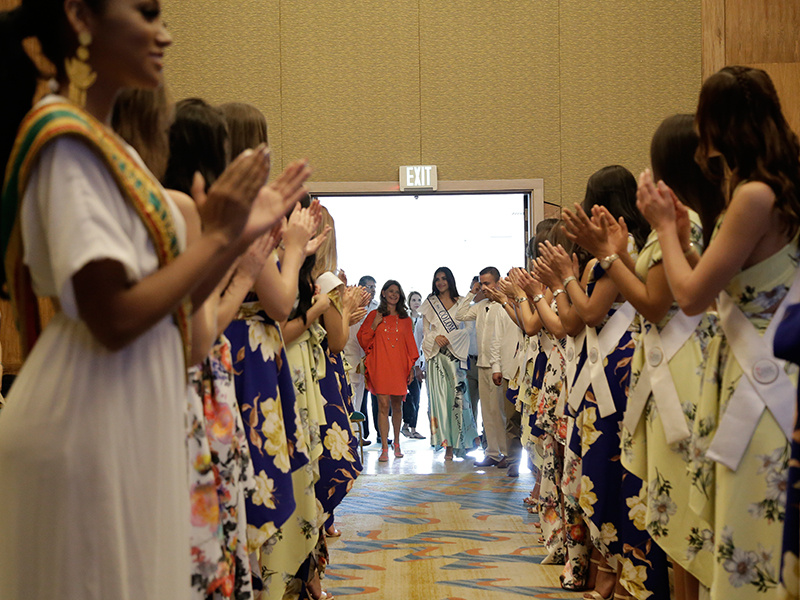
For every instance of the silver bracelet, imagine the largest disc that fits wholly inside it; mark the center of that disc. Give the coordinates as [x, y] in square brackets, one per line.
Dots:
[568, 279]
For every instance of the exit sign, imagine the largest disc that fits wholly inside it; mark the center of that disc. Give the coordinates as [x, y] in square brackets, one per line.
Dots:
[420, 177]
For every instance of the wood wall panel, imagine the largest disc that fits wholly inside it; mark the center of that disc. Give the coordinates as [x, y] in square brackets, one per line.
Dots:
[713, 36]
[762, 31]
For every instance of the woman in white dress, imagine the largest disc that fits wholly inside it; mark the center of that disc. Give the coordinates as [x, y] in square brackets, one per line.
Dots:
[92, 450]
[445, 343]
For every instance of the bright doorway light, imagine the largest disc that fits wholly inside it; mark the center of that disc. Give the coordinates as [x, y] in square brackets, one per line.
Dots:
[407, 238]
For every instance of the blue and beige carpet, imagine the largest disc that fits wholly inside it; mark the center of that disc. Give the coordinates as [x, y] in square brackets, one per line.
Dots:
[459, 536]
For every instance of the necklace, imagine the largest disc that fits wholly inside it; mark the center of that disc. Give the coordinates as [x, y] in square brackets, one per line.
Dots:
[389, 331]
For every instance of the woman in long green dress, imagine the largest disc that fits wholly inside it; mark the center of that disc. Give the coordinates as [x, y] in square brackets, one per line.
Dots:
[745, 414]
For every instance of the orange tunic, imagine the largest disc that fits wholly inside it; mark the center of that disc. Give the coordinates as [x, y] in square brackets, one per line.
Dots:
[390, 351]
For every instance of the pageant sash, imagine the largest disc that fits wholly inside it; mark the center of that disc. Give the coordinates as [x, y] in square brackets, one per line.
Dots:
[444, 315]
[40, 127]
[450, 326]
[764, 384]
[657, 378]
[574, 347]
[598, 347]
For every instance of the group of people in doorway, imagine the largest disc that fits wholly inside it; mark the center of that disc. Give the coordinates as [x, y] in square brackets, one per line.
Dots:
[182, 426]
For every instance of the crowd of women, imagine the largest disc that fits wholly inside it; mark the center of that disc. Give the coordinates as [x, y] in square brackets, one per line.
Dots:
[197, 316]
[185, 284]
[650, 393]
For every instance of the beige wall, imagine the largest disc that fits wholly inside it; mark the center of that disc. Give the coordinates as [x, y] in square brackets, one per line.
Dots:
[485, 90]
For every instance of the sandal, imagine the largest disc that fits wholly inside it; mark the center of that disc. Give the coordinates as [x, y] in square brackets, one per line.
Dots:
[332, 532]
[384, 457]
[397, 452]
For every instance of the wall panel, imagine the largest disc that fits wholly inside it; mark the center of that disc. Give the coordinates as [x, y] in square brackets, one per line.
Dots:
[351, 87]
[489, 92]
[226, 55]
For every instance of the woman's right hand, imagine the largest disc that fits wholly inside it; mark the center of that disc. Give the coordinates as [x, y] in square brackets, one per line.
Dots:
[654, 202]
[442, 341]
[557, 259]
[226, 209]
[377, 320]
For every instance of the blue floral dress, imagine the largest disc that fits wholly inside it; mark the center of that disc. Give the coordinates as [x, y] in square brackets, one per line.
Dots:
[339, 464]
[277, 440]
[613, 500]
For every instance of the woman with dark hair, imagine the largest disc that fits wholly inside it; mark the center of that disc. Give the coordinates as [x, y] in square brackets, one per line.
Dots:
[198, 143]
[339, 465]
[104, 386]
[277, 439]
[624, 556]
[656, 447]
[391, 351]
[739, 463]
[445, 343]
[411, 403]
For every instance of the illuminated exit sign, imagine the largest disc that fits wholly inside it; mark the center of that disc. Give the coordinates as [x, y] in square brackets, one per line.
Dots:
[419, 177]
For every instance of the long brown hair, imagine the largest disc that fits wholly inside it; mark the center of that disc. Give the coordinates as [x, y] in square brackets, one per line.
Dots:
[327, 257]
[247, 127]
[739, 115]
[383, 307]
[142, 118]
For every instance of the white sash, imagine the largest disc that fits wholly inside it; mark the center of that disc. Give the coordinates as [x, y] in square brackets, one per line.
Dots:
[598, 347]
[444, 315]
[764, 383]
[657, 378]
[574, 347]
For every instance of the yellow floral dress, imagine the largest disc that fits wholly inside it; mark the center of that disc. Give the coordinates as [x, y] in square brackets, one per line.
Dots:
[300, 546]
[646, 453]
[746, 507]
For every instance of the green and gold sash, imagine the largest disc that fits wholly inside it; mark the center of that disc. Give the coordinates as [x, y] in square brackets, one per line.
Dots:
[40, 127]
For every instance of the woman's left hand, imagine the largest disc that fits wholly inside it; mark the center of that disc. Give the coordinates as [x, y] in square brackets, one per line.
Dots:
[655, 205]
[590, 234]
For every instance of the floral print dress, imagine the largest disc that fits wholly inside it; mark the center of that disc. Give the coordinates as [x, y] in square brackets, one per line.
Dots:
[301, 547]
[221, 477]
[646, 453]
[613, 500]
[339, 464]
[277, 441]
[746, 507]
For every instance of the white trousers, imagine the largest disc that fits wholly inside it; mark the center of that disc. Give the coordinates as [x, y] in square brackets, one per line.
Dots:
[493, 414]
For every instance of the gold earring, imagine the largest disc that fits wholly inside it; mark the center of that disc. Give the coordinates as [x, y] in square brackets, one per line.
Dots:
[80, 74]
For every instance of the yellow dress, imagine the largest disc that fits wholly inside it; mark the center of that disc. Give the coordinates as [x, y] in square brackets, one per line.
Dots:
[746, 507]
[662, 466]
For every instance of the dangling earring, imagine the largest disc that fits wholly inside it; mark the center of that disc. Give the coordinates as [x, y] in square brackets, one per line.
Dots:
[80, 74]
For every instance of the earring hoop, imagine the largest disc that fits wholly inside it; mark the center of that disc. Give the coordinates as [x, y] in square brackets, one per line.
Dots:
[79, 72]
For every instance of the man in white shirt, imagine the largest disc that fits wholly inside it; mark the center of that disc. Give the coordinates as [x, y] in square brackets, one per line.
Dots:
[354, 355]
[511, 340]
[486, 313]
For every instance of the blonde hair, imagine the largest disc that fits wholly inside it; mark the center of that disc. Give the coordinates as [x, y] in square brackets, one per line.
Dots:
[326, 254]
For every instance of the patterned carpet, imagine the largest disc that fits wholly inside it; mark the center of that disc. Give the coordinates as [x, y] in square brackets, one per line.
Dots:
[460, 536]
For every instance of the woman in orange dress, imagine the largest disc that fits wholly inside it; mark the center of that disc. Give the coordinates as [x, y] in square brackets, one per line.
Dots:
[388, 341]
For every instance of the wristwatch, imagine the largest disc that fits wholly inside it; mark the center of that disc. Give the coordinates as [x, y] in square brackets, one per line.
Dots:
[536, 298]
[605, 263]
[520, 300]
